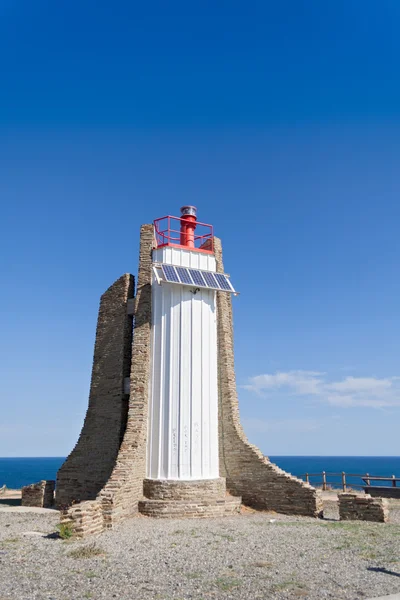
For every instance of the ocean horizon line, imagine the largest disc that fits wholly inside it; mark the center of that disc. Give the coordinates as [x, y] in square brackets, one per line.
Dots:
[17, 471]
[268, 455]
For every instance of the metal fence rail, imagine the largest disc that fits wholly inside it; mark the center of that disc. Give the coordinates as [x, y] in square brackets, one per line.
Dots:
[342, 480]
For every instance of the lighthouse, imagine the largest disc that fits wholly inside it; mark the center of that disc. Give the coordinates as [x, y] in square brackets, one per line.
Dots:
[183, 417]
[162, 433]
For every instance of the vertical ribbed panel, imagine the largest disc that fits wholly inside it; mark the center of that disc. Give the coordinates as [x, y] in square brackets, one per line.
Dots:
[183, 422]
[213, 377]
[174, 388]
[185, 385]
[197, 387]
[206, 405]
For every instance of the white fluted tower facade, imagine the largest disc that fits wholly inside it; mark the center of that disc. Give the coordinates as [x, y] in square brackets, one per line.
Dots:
[183, 431]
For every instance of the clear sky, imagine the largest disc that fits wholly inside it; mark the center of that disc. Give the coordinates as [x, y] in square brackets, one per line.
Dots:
[281, 122]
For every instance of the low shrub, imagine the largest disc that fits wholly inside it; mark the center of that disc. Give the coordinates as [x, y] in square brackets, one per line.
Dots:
[65, 530]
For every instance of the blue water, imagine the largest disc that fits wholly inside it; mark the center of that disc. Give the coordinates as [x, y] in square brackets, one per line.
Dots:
[16, 472]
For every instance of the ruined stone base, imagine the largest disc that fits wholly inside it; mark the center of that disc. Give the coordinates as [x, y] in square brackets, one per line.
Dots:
[199, 498]
[361, 507]
[83, 519]
[39, 494]
[187, 509]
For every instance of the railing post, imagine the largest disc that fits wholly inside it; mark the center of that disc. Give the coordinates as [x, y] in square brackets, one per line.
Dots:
[323, 481]
[343, 481]
[307, 478]
[393, 480]
[367, 479]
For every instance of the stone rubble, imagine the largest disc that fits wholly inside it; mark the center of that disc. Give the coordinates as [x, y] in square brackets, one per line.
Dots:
[40, 494]
[362, 507]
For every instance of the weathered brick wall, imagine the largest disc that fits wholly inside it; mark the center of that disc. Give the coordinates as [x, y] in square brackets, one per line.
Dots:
[194, 508]
[248, 473]
[167, 489]
[38, 494]
[123, 490]
[361, 507]
[85, 518]
[91, 462]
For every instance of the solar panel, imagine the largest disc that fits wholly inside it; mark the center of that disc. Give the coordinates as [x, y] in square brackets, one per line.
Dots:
[184, 276]
[210, 280]
[194, 278]
[223, 282]
[170, 273]
[198, 278]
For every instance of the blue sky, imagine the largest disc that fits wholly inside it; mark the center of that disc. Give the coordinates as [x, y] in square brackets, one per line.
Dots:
[281, 122]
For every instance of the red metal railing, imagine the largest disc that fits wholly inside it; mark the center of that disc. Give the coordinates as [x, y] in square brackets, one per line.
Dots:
[168, 232]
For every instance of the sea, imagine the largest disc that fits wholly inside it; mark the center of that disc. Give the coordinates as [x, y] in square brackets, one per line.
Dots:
[17, 472]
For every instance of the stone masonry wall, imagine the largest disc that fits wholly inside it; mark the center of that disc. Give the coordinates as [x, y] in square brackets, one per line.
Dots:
[248, 473]
[201, 489]
[121, 494]
[195, 508]
[85, 518]
[39, 494]
[90, 464]
[361, 507]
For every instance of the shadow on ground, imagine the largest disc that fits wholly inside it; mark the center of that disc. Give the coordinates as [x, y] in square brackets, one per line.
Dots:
[10, 501]
[383, 570]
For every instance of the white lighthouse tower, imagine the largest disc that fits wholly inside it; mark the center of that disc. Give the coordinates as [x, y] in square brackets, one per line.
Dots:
[183, 412]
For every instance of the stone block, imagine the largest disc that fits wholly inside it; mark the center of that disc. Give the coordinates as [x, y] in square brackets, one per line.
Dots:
[359, 507]
[39, 494]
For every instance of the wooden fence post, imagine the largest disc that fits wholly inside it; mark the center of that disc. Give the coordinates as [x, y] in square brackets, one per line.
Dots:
[344, 481]
[307, 478]
[323, 481]
[367, 479]
[393, 480]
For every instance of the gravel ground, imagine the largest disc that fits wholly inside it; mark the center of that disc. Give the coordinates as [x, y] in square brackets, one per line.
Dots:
[254, 555]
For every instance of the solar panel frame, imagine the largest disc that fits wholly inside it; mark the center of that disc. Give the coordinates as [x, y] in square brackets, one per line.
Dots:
[184, 275]
[210, 280]
[223, 282]
[198, 278]
[195, 278]
[170, 274]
